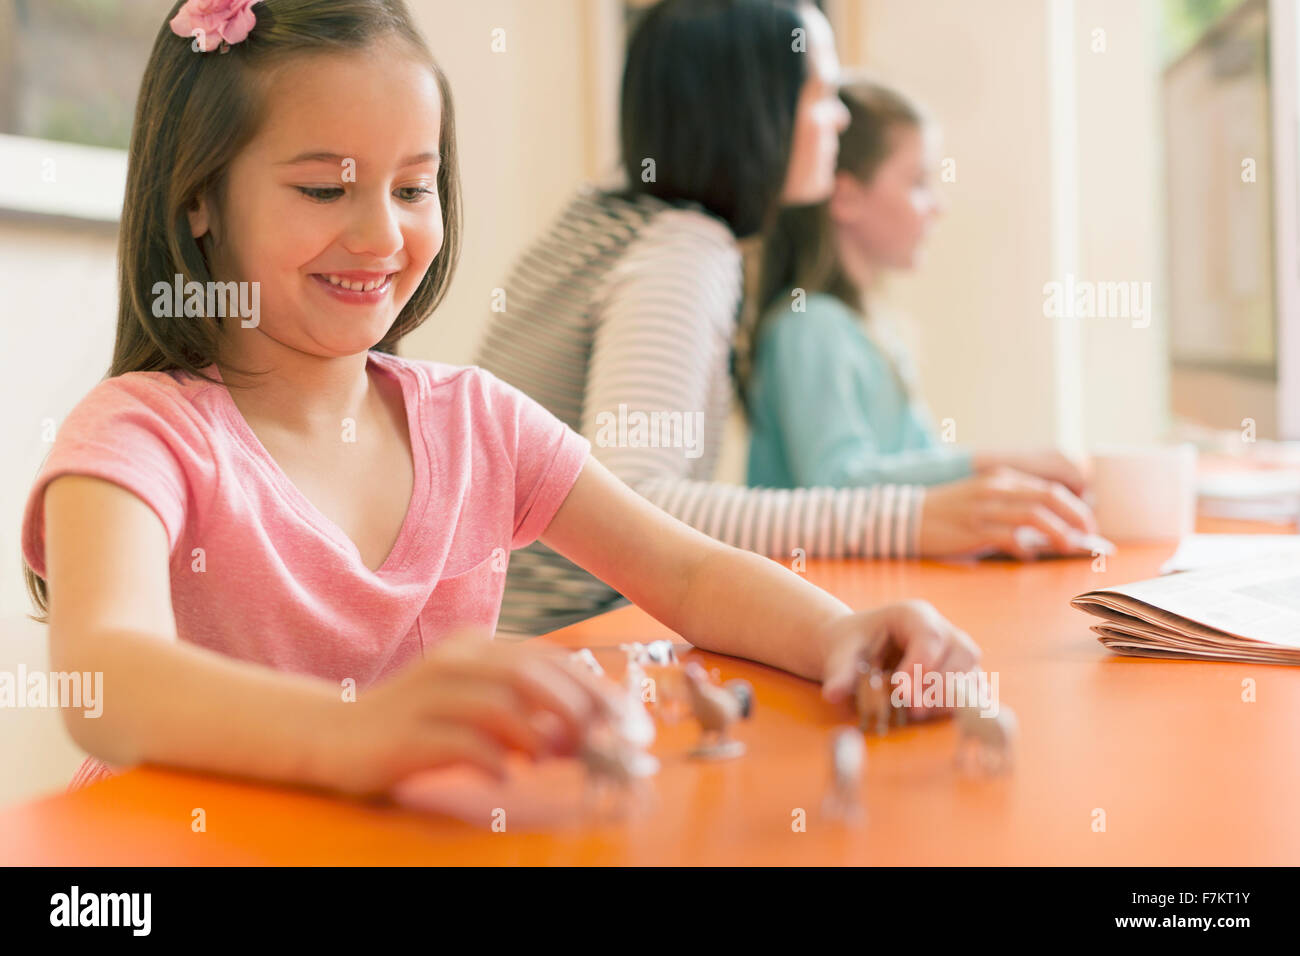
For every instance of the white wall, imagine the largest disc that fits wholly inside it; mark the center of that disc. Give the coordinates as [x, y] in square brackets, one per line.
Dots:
[1121, 196]
[59, 313]
[987, 355]
[522, 132]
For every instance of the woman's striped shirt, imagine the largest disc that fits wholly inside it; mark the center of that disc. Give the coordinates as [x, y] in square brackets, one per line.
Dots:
[620, 321]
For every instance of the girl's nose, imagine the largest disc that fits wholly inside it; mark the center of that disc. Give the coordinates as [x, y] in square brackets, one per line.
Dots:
[374, 230]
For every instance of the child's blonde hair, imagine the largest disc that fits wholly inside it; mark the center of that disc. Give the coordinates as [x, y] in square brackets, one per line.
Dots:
[195, 112]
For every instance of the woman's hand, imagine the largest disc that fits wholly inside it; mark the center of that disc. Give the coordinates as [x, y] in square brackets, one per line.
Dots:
[987, 513]
[1049, 465]
[895, 638]
[471, 701]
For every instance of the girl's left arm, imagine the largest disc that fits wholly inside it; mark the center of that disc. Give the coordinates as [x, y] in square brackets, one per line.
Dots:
[734, 602]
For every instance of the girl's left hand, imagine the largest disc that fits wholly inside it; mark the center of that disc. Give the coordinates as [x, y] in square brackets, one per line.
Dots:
[895, 638]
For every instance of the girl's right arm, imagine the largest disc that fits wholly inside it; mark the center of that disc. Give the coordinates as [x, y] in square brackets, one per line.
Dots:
[111, 612]
[169, 702]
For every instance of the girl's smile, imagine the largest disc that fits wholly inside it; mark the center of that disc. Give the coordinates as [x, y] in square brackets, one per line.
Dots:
[356, 288]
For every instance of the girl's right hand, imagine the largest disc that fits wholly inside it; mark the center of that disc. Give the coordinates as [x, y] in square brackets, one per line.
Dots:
[985, 514]
[471, 700]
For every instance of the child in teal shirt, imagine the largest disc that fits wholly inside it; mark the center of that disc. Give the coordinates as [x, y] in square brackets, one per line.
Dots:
[827, 404]
[830, 403]
[829, 407]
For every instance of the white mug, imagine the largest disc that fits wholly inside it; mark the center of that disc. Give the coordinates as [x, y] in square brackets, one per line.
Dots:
[1144, 493]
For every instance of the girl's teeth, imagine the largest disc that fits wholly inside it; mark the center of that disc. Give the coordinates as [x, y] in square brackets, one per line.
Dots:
[357, 286]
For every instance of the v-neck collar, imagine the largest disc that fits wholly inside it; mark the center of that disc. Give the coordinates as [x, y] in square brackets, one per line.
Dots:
[399, 555]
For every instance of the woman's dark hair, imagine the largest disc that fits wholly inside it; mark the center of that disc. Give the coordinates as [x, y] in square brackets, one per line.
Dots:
[799, 249]
[710, 93]
[194, 114]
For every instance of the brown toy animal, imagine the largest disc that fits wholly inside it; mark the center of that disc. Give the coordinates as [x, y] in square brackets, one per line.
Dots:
[717, 708]
[875, 712]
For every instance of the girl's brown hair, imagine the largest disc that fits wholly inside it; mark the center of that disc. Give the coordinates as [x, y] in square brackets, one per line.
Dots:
[799, 250]
[194, 114]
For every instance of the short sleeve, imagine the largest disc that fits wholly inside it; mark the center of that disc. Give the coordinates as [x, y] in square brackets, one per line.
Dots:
[130, 432]
[548, 456]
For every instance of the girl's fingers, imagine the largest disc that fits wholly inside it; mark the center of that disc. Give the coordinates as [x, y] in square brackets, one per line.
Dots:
[536, 681]
[923, 632]
[937, 645]
[960, 658]
[492, 708]
[444, 744]
[858, 644]
[841, 670]
[603, 694]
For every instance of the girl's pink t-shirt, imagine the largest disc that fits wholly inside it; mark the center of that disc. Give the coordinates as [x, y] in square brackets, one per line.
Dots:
[258, 573]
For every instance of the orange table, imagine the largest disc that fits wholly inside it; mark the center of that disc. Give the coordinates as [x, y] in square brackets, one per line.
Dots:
[1184, 770]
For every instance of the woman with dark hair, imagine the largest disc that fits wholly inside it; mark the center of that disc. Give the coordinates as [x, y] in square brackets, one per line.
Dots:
[621, 319]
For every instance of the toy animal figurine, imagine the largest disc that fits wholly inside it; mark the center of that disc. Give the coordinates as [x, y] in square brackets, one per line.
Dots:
[661, 652]
[994, 737]
[634, 679]
[717, 708]
[615, 763]
[656, 652]
[588, 659]
[848, 760]
[876, 712]
[636, 726]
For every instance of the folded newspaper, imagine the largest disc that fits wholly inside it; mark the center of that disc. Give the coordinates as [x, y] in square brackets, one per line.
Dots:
[1244, 612]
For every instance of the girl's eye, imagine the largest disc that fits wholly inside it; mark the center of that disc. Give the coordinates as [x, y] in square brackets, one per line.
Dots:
[414, 193]
[321, 193]
[410, 194]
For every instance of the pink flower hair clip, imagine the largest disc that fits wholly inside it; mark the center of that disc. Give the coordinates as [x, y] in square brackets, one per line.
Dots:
[214, 23]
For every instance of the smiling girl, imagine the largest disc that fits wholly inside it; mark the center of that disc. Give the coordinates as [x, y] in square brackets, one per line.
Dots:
[243, 525]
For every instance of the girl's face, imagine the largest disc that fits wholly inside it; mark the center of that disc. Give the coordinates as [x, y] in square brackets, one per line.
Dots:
[887, 218]
[338, 189]
[820, 117]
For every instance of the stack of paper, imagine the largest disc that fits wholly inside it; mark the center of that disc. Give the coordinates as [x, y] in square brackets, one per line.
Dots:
[1197, 551]
[1240, 612]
